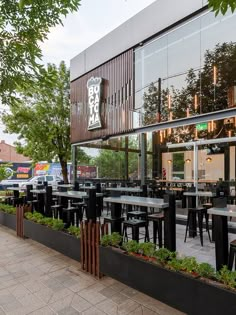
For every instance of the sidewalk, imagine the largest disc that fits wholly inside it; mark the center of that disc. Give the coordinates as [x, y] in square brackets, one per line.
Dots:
[37, 280]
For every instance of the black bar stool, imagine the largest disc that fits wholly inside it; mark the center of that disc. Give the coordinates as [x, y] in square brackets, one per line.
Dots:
[135, 224]
[195, 217]
[157, 219]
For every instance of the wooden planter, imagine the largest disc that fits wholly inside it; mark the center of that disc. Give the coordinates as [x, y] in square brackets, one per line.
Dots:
[62, 242]
[8, 220]
[189, 295]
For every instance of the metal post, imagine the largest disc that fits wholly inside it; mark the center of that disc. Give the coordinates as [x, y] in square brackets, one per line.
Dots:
[74, 163]
[143, 158]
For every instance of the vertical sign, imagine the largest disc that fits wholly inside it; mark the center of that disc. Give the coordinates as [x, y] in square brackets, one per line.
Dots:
[94, 103]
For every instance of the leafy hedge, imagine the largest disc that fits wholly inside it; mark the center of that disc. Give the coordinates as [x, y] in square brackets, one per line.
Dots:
[55, 224]
[7, 208]
[172, 260]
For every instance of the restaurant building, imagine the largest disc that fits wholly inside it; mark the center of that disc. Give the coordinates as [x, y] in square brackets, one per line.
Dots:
[159, 91]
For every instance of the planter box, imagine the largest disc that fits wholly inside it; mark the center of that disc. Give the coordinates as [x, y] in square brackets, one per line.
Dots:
[8, 220]
[64, 243]
[180, 291]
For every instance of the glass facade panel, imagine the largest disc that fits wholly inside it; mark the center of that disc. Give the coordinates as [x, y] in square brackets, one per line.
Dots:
[196, 63]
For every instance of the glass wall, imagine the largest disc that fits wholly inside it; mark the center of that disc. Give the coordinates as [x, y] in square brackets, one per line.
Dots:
[195, 64]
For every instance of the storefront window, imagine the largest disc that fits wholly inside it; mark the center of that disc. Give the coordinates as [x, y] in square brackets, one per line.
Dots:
[196, 65]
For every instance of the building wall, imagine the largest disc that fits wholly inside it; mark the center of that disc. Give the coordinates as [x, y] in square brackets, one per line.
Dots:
[158, 16]
[8, 153]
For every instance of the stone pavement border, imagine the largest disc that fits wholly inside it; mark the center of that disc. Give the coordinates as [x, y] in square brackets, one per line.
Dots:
[37, 280]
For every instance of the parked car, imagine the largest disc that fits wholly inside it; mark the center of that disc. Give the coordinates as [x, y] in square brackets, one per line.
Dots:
[52, 180]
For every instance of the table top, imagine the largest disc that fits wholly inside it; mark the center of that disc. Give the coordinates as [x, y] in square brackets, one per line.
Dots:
[229, 211]
[138, 201]
[65, 185]
[74, 194]
[38, 191]
[128, 189]
[200, 194]
[87, 187]
[125, 189]
[16, 188]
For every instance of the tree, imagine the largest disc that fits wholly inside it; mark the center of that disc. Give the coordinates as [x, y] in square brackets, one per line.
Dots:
[42, 118]
[23, 25]
[222, 5]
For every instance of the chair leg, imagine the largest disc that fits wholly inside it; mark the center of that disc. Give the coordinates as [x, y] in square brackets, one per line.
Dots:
[207, 225]
[231, 259]
[187, 227]
[159, 231]
[200, 226]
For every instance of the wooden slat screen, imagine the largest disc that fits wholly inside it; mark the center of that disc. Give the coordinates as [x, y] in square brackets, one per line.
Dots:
[117, 100]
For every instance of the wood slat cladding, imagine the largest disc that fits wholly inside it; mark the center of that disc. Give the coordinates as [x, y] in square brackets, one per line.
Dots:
[117, 100]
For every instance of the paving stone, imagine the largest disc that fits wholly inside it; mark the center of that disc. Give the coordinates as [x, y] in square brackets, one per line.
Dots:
[68, 311]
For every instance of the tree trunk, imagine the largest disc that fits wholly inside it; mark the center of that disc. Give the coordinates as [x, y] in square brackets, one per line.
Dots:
[64, 171]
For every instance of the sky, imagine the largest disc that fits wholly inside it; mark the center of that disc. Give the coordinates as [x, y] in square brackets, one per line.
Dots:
[94, 20]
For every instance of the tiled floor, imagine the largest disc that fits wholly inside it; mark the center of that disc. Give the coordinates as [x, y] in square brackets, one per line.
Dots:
[37, 280]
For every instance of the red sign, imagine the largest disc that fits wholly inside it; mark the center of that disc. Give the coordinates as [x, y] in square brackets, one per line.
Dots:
[86, 171]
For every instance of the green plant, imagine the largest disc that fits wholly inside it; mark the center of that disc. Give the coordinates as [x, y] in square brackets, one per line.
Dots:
[206, 270]
[74, 230]
[163, 255]
[8, 209]
[116, 239]
[105, 240]
[189, 264]
[29, 215]
[227, 277]
[175, 264]
[131, 246]
[57, 224]
[147, 249]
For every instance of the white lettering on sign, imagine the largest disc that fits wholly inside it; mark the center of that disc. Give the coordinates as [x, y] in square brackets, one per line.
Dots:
[94, 103]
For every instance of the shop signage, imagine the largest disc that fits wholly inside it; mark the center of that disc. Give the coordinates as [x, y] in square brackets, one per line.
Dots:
[94, 86]
[202, 126]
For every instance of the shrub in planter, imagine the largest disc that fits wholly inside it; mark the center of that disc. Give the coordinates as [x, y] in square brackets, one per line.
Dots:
[7, 208]
[147, 249]
[114, 239]
[74, 230]
[205, 270]
[227, 277]
[131, 247]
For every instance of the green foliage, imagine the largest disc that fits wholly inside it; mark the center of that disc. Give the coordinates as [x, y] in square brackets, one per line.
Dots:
[114, 239]
[7, 208]
[206, 270]
[189, 264]
[24, 24]
[163, 255]
[131, 246]
[55, 224]
[147, 249]
[175, 264]
[222, 5]
[227, 277]
[48, 136]
[74, 230]
[107, 158]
